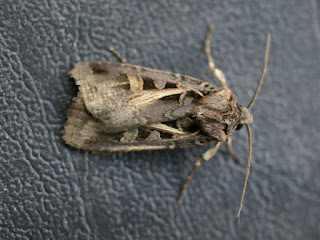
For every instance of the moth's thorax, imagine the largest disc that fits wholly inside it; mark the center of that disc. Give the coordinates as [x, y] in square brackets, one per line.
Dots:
[218, 113]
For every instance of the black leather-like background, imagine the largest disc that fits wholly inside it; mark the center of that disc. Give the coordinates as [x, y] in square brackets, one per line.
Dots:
[49, 190]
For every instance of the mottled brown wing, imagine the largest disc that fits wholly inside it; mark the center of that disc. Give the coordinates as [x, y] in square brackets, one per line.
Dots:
[125, 96]
[83, 131]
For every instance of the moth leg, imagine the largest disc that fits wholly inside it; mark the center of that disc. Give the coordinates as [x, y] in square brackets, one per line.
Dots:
[182, 97]
[204, 157]
[232, 152]
[117, 55]
[212, 66]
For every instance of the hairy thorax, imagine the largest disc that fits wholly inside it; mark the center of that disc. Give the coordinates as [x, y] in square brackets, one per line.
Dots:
[218, 113]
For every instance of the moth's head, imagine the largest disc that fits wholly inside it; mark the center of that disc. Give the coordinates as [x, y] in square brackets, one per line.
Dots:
[245, 117]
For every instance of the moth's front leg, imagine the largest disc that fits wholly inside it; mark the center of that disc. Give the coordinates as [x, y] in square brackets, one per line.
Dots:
[204, 157]
[212, 66]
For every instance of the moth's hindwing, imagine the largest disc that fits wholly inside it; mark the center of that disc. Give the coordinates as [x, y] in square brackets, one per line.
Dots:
[123, 107]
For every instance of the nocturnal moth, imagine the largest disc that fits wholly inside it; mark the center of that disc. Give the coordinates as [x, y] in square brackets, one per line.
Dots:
[124, 107]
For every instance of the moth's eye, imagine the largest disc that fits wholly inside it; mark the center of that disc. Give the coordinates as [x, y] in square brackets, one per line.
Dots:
[239, 126]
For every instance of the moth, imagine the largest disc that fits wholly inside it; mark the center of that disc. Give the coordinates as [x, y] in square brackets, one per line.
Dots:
[124, 107]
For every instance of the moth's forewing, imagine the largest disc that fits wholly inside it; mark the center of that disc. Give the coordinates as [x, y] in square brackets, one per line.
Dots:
[84, 132]
[126, 96]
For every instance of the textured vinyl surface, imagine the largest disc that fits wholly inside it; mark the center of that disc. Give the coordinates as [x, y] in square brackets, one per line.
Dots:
[52, 191]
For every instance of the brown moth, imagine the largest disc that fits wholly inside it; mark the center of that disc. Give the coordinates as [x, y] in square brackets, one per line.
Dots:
[124, 107]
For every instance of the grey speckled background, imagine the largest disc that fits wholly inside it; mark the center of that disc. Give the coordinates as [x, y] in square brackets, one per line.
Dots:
[50, 190]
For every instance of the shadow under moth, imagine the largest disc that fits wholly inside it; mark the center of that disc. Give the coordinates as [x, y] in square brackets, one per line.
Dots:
[124, 107]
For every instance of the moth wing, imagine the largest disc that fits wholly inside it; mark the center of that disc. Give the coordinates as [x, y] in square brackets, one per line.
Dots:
[83, 131]
[126, 96]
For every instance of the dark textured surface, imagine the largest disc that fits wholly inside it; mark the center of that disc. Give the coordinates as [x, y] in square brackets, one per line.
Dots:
[50, 190]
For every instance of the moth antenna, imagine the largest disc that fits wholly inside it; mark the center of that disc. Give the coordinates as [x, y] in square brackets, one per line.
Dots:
[248, 170]
[264, 69]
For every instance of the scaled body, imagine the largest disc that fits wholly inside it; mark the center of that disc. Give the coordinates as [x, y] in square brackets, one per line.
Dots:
[124, 107]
